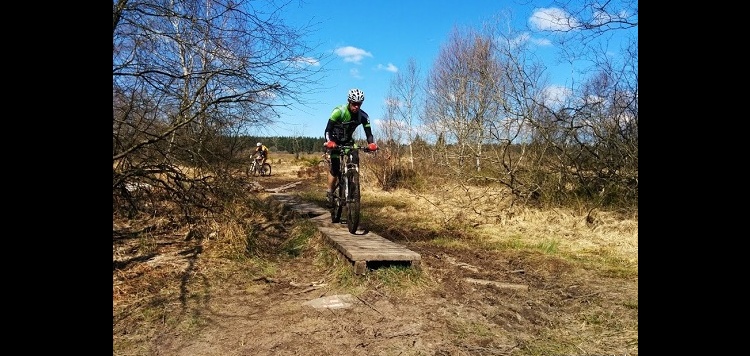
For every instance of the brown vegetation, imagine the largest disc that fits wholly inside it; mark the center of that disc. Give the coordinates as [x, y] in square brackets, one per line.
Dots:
[494, 281]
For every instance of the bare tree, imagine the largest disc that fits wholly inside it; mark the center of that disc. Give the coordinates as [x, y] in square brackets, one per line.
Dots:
[385, 164]
[594, 133]
[512, 157]
[407, 92]
[392, 128]
[488, 88]
[460, 86]
[186, 75]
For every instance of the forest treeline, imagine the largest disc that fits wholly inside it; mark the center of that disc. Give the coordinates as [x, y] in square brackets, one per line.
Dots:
[288, 144]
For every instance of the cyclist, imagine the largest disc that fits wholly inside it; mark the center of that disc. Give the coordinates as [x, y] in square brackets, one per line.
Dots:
[341, 126]
[262, 151]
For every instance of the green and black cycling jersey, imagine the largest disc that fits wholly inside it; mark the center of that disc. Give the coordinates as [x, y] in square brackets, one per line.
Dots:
[341, 125]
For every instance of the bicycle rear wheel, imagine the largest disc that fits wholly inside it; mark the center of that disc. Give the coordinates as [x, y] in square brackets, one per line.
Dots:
[265, 170]
[352, 204]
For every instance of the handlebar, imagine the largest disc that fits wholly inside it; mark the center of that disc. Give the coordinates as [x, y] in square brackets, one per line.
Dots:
[351, 147]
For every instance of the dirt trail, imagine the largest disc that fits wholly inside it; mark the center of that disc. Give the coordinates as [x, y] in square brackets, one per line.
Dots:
[466, 302]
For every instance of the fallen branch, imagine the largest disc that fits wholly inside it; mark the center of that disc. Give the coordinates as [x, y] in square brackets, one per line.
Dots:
[305, 290]
[283, 187]
[312, 284]
[498, 284]
[267, 279]
[368, 304]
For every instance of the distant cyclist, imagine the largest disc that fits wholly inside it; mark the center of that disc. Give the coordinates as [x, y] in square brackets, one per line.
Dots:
[262, 151]
[342, 123]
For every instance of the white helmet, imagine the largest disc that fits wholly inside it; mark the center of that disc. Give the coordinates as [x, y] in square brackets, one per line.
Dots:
[356, 95]
[258, 144]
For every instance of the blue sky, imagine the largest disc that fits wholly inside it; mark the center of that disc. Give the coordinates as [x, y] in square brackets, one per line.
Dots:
[369, 41]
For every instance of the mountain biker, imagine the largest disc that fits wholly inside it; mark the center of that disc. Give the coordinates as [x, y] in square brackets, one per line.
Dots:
[341, 126]
[262, 151]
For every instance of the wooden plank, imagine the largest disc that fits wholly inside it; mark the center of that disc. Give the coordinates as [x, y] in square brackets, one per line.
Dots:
[299, 206]
[360, 248]
[367, 247]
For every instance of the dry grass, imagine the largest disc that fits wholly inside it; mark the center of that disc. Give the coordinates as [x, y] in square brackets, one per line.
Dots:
[227, 285]
[487, 217]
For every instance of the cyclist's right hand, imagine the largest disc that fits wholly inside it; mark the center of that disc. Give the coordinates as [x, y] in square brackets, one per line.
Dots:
[330, 145]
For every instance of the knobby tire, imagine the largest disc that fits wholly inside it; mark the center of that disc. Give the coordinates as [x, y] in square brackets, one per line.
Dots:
[352, 204]
[265, 169]
[251, 170]
[337, 206]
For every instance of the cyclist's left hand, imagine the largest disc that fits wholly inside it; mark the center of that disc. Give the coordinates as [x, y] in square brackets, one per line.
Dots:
[372, 147]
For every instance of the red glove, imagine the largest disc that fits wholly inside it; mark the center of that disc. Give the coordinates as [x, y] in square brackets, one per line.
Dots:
[330, 144]
[372, 147]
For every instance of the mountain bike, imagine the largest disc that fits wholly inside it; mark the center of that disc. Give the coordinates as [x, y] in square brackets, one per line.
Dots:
[346, 193]
[256, 168]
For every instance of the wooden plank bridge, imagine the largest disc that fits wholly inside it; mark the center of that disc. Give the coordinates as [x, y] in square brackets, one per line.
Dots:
[363, 248]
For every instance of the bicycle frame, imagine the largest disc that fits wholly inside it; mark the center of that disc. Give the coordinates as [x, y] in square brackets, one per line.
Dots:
[255, 166]
[259, 168]
[347, 192]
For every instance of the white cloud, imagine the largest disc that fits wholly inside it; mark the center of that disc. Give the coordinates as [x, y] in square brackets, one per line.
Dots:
[601, 17]
[552, 19]
[354, 72]
[593, 99]
[541, 42]
[352, 54]
[390, 67]
[518, 40]
[305, 61]
[526, 37]
[556, 95]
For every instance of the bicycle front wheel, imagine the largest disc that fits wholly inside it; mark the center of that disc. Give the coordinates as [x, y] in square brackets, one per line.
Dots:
[338, 203]
[352, 203]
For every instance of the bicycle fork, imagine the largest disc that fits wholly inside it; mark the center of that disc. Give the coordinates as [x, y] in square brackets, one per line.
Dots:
[346, 167]
[346, 173]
